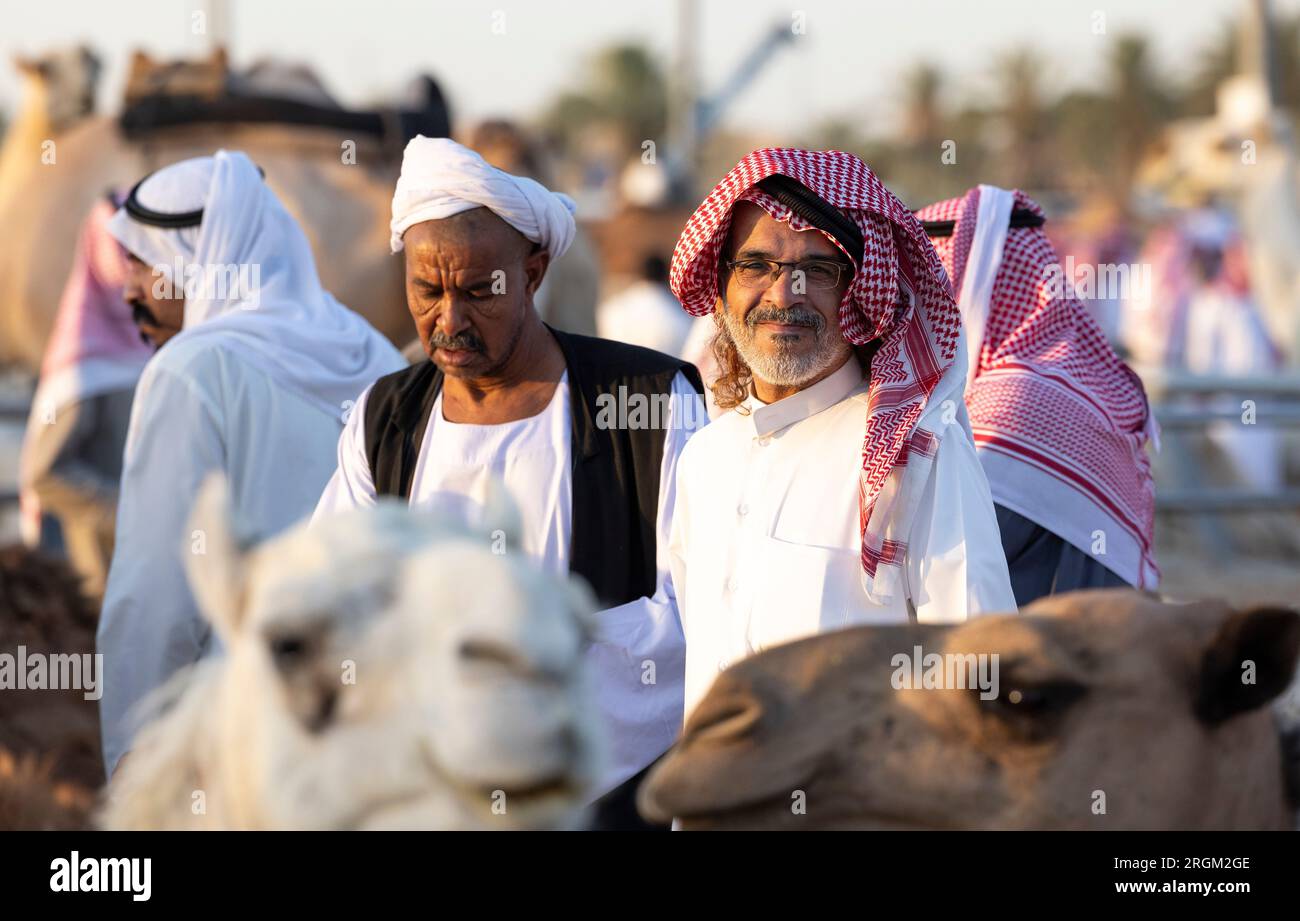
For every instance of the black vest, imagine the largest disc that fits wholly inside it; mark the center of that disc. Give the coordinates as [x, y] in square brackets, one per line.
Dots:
[615, 470]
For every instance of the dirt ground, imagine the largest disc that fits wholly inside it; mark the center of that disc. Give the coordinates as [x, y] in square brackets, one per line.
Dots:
[1247, 557]
[1262, 566]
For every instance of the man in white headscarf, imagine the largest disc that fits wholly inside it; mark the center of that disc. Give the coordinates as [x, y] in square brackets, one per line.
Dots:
[584, 432]
[256, 371]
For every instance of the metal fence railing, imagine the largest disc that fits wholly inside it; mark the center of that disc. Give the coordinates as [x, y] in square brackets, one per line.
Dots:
[1187, 405]
[13, 411]
[1180, 404]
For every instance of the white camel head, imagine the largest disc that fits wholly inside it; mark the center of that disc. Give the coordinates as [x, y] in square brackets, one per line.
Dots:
[382, 670]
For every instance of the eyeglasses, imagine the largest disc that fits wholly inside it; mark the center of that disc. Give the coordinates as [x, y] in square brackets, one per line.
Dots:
[818, 274]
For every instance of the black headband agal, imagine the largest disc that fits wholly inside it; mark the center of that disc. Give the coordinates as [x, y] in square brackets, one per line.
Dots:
[1021, 217]
[142, 215]
[817, 211]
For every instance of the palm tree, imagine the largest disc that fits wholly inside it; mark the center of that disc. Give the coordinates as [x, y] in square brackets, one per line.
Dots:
[631, 90]
[1139, 106]
[624, 88]
[922, 116]
[1023, 118]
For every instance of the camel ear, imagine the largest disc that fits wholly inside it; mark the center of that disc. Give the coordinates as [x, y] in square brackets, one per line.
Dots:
[141, 63]
[31, 67]
[215, 563]
[1250, 661]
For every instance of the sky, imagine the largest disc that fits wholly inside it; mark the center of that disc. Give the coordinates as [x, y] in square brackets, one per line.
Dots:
[509, 58]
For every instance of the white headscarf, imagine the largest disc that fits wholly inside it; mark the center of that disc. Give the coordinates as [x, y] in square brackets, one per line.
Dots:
[276, 313]
[441, 178]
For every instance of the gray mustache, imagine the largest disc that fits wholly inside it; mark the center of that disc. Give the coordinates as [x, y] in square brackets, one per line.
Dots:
[793, 316]
[467, 341]
[141, 313]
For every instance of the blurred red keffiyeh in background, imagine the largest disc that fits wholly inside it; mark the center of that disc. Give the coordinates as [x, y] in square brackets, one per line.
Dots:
[1060, 422]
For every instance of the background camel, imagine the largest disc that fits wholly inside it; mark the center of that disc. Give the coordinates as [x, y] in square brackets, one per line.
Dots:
[381, 672]
[1115, 711]
[58, 158]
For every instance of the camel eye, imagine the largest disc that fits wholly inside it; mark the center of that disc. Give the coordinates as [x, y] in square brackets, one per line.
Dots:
[311, 690]
[291, 650]
[1024, 700]
[288, 649]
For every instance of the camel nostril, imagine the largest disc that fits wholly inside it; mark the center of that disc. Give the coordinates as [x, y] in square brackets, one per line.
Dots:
[725, 719]
[488, 652]
[326, 705]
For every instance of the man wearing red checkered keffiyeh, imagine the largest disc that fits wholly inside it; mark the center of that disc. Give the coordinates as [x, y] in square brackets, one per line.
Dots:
[1061, 423]
[844, 487]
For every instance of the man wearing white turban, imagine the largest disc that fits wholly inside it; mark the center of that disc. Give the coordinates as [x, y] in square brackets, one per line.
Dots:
[584, 432]
[256, 370]
[441, 178]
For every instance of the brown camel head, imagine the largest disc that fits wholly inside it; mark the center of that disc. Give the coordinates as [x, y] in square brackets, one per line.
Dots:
[1103, 710]
[67, 79]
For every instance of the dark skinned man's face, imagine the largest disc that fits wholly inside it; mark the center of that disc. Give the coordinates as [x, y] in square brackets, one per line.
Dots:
[469, 280]
[159, 318]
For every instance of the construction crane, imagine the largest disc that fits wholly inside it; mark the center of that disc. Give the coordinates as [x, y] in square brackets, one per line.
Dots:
[693, 119]
[709, 111]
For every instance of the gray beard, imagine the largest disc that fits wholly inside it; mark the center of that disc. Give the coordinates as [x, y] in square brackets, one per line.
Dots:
[784, 368]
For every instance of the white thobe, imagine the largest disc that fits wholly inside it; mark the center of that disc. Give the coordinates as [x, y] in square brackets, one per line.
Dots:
[1226, 335]
[766, 538]
[533, 458]
[198, 408]
[646, 314]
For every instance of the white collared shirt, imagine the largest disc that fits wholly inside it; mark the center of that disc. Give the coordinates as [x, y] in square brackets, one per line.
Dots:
[765, 536]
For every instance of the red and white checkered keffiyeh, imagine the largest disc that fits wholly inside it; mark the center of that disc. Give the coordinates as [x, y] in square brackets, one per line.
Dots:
[899, 295]
[1060, 422]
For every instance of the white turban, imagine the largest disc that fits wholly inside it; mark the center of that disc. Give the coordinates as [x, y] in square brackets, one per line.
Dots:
[441, 178]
